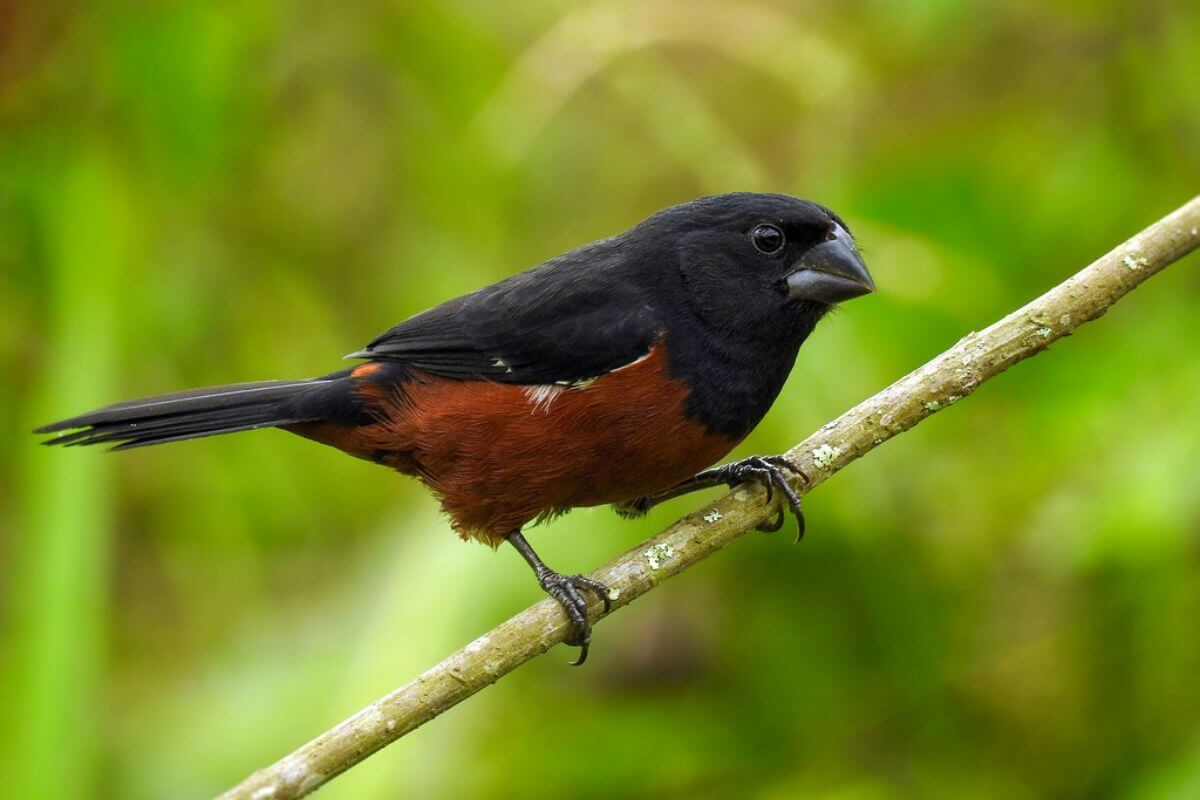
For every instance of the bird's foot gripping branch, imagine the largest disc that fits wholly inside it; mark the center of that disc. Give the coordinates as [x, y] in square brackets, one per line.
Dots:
[949, 377]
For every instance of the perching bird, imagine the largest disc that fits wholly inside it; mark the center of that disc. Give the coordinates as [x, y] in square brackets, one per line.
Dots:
[615, 373]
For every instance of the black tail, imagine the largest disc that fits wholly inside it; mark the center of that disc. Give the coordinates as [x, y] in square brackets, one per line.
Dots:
[202, 412]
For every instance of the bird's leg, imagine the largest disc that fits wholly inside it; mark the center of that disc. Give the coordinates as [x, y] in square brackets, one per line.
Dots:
[764, 470]
[566, 589]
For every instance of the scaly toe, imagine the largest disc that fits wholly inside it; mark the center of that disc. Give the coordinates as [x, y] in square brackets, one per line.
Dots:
[566, 589]
[790, 466]
[768, 472]
[595, 587]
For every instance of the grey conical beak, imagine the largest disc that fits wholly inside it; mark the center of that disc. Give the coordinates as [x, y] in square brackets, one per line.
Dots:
[830, 272]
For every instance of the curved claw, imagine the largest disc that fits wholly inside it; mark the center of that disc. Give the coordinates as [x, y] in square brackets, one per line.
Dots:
[774, 524]
[799, 514]
[768, 472]
[566, 589]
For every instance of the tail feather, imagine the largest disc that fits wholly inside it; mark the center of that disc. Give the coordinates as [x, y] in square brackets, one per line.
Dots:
[144, 441]
[195, 413]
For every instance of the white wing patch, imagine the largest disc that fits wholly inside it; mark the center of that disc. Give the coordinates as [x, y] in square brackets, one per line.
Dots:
[542, 396]
[637, 360]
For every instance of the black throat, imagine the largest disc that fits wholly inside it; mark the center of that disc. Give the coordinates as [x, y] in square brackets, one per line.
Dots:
[735, 378]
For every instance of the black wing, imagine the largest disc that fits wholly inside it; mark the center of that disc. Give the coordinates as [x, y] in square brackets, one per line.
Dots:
[574, 318]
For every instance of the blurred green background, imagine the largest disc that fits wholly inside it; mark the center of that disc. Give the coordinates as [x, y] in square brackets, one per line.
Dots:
[1004, 602]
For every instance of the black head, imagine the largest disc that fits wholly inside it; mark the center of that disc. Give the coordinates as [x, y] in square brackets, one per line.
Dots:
[762, 263]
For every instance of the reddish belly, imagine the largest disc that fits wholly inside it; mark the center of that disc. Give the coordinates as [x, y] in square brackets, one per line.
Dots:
[499, 455]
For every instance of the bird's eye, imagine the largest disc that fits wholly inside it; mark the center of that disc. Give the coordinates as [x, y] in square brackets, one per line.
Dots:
[767, 239]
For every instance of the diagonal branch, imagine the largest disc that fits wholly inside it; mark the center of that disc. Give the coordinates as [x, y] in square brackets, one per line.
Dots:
[946, 379]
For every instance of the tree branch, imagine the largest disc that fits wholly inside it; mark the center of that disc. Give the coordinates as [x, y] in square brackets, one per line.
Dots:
[946, 379]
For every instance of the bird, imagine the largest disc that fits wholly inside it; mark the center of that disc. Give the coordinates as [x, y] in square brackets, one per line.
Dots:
[617, 373]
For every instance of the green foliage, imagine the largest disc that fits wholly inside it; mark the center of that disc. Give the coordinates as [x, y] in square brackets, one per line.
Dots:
[1001, 603]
